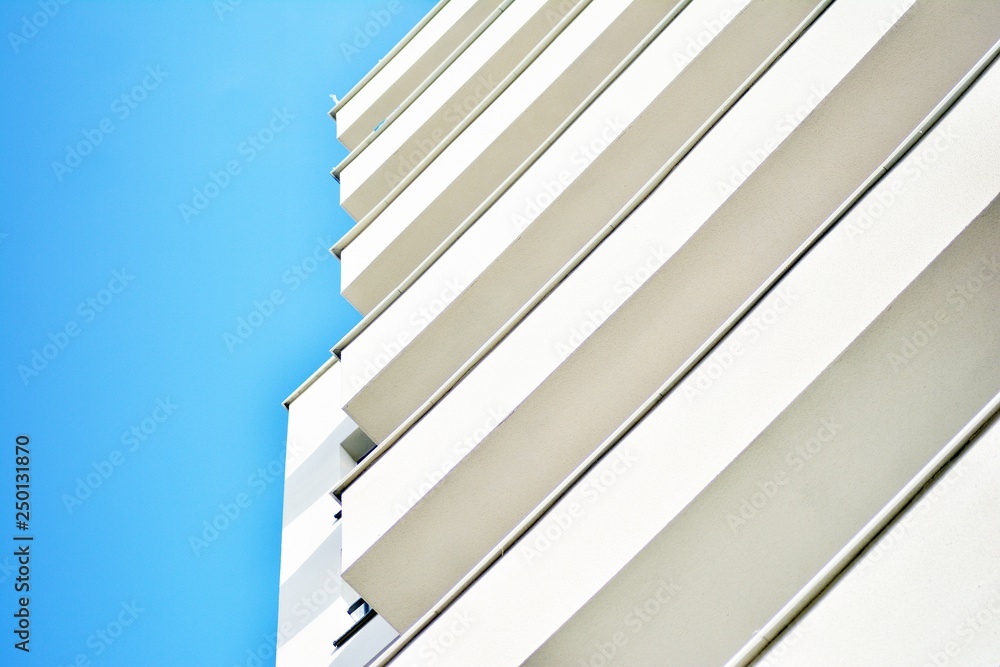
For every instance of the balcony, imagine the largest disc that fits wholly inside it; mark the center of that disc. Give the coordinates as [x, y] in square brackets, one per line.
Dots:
[428, 488]
[386, 246]
[429, 44]
[742, 480]
[481, 72]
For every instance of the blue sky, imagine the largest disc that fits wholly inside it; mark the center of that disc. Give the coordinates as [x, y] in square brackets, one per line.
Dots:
[147, 348]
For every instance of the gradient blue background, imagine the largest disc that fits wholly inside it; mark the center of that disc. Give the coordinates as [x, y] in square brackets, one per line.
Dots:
[162, 337]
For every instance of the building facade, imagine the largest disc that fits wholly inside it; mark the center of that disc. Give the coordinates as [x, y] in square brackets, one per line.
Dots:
[680, 343]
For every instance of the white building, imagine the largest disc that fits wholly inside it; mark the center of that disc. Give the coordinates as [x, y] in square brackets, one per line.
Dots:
[681, 343]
